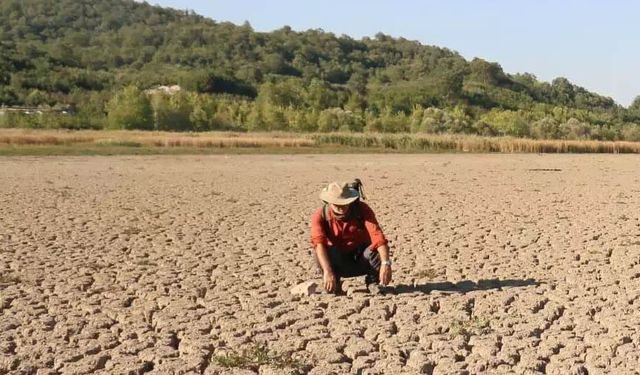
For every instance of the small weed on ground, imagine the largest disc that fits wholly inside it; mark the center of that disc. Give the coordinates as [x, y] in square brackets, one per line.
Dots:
[255, 356]
[9, 279]
[429, 273]
[131, 230]
[145, 262]
[473, 327]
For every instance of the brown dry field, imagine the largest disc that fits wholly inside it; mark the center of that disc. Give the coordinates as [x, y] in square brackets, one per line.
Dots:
[504, 264]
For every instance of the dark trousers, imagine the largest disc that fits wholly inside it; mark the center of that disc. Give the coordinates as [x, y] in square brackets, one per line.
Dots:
[361, 262]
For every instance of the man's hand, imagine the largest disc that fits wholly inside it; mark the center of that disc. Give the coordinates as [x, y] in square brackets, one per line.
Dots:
[385, 269]
[385, 274]
[330, 282]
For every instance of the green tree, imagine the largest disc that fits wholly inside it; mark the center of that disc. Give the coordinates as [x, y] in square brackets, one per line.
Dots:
[563, 91]
[130, 109]
[635, 105]
[394, 122]
[416, 119]
[433, 120]
[203, 115]
[303, 122]
[512, 123]
[633, 112]
[320, 96]
[575, 129]
[173, 112]
[8, 96]
[274, 63]
[349, 121]
[458, 121]
[256, 120]
[545, 128]
[36, 98]
[328, 121]
[486, 72]
[287, 93]
[334, 119]
[631, 132]
[485, 129]
[356, 103]
[373, 123]
[275, 118]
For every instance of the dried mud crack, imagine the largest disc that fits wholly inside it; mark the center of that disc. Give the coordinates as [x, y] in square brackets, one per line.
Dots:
[185, 266]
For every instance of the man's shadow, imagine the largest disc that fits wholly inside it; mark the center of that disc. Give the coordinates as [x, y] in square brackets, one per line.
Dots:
[462, 286]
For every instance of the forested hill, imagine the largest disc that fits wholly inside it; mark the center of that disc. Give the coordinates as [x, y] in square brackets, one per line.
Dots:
[80, 52]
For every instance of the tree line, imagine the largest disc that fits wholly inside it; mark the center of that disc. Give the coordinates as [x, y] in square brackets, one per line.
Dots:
[99, 58]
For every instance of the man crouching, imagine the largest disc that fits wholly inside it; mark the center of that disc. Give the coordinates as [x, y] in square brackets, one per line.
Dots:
[347, 239]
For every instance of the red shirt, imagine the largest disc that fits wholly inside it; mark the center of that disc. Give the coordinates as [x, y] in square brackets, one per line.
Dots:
[347, 235]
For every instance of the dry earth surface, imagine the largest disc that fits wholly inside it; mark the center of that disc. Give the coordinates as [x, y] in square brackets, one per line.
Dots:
[525, 264]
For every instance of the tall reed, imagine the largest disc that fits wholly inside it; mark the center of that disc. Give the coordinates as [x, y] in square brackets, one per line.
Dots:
[371, 141]
[470, 143]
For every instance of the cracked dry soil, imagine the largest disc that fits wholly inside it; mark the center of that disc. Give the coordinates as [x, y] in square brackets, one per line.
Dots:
[525, 264]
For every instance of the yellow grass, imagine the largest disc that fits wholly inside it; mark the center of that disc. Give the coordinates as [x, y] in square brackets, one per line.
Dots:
[120, 141]
[474, 144]
[150, 139]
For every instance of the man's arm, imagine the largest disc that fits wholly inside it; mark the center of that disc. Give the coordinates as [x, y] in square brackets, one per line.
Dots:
[385, 267]
[329, 277]
[379, 242]
[319, 240]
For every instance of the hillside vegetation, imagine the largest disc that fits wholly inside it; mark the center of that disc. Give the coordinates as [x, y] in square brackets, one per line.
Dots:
[97, 59]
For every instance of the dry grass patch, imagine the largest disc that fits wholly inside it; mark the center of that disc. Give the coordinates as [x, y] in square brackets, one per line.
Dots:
[121, 141]
[471, 143]
[473, 327]
[44, 137]
[151, 139]
[258, 355]
[145, 263]
[428, 273]
[131, 230]
[224, 141]
[6, 280]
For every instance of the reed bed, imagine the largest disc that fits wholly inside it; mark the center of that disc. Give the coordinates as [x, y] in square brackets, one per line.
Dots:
[470, 143]
[32, 137]
[152, 139]
[223, 142]
[345, 141]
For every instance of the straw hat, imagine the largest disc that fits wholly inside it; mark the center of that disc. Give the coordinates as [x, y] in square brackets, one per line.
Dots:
[339, 193]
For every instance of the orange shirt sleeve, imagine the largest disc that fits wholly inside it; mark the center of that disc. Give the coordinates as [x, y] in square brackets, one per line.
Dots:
[317, 229]
[371, 224]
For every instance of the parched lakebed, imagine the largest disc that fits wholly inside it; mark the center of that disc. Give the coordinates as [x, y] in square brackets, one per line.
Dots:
[184, 265]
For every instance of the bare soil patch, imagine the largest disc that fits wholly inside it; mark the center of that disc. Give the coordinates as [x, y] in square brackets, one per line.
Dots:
[184, 264]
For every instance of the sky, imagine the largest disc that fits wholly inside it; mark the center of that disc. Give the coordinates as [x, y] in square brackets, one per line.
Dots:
[593, 43]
